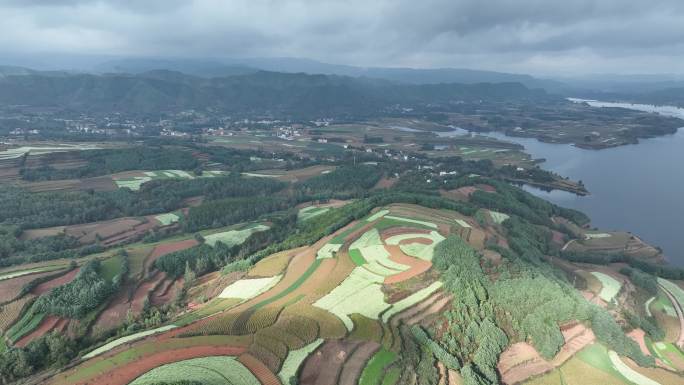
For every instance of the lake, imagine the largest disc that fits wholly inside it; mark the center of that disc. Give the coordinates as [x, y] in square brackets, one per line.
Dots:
[637, 188]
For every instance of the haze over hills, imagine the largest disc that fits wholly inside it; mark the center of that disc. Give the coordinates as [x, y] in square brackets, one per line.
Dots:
[260, 90]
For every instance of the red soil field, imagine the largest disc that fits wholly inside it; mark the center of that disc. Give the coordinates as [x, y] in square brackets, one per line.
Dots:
[392, 231]
[466, 191]
[323, 366]
[143, 292]
[166, 292]
[638, 336]
[418, 266]
[385, 183]
[423, 241]
[86, 233]
[11, 288]
[486, 188]
[129, 372]
[167, 248]
[132, 234]
[558, 237]
[115, 312]
[118, 308]
[260, 371]
[351, 371]
[49, 323]
[59, 281]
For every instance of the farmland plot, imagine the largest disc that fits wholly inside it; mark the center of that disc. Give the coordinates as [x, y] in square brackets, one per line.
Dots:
[610, 286]
[249, 288]
[629, 373]
[414, 221]
[167, 219]
[206, 370]
[411, 300]
[417, 249]
[233, 237]
[295, 359]
[311, 212]
[498, 217]
[328, 250]
[359, 293]
[123, 340]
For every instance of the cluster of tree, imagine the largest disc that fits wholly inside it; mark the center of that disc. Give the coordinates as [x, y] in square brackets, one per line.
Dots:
[536, 298]
[11, 243]
[645, 281]
[597, 258]
[530, 241]
[109, 161]
[647, 324]
[515, 201]
[76, 298]
[203, 258]
[343, 182]
[471, 334]
[417, 360]
[229, 211]
[533, 304]
[51, 350]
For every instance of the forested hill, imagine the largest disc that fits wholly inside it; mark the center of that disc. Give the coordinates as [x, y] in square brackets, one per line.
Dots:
[260, 92]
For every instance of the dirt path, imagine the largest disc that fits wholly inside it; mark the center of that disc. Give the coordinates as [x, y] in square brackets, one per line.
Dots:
[680, 315]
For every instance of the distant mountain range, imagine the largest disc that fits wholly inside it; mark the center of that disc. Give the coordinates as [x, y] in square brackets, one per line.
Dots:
[161, 75]
[294, 65]
[255, 92]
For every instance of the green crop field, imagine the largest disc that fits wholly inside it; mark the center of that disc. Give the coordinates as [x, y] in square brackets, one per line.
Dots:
[167, 219]
[296, 284]
[373, 372]
[19, 273]
[123, 340]
[110, 267]
[356, 256]
[310, 212]
[233, 237]
[29, 321]
[294, 360]
[206, 370]
[611, 286]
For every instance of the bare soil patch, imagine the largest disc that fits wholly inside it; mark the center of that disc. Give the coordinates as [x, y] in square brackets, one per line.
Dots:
[323, 366]
[417, 266]
[49, 323]
[11, 288]
[352, 368]
[59, 281]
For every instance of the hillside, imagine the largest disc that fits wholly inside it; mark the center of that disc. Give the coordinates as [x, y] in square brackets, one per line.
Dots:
[321, 274]
[261, 92]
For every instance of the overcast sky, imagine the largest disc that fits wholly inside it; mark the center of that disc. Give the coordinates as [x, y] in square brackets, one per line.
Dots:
[542, 37]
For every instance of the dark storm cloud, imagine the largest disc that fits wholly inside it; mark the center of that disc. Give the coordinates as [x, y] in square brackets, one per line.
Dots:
[542, 36]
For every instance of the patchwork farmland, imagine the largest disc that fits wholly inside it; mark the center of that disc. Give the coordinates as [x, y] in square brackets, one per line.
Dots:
[366, 291]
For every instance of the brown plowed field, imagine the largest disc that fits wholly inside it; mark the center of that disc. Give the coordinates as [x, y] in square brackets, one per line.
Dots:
[167, 248]
[418, 266]
[351, 371]
[323, 366]
[53, 283]
[49, 323]
[125, 374]
[260, 371]
[11, 288]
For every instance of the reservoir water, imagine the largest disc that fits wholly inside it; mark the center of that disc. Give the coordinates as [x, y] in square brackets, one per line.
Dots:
[637, 188]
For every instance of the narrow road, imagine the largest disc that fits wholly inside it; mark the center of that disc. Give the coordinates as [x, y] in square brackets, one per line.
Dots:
[680, 314]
